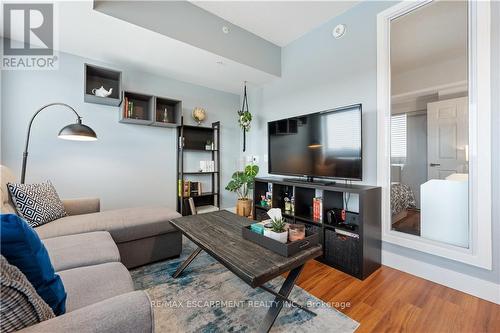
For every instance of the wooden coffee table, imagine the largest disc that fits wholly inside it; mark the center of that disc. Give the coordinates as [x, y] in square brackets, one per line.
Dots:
[219, 235]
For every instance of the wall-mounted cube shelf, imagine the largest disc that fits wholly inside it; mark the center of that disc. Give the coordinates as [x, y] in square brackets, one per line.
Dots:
[137, 108]
[96, 77]
[142, 109]
[167, 112]
[284, 127]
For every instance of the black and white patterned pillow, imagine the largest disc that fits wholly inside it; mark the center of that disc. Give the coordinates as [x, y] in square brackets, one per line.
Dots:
[37, 203]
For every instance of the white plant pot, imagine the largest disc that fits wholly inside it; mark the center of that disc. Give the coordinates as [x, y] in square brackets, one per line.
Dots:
[281, 237]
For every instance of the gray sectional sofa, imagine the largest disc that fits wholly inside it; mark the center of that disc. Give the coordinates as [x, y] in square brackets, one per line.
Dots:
[91, 251]
[101, 296]
[142, 234]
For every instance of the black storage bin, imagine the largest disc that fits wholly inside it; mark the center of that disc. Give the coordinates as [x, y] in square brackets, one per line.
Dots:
[342, 251]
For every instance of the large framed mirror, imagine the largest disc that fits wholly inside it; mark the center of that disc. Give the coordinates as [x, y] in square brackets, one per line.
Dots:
[433, 98]
[429, 122]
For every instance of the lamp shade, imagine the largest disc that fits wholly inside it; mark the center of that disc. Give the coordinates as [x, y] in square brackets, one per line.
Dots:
[77, 132]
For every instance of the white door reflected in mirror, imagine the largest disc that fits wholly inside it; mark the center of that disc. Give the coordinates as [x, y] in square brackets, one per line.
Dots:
[448, 133]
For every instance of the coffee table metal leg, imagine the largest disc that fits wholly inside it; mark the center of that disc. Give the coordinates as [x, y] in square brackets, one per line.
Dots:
[186, 262]
[287, 300]
[277, 305]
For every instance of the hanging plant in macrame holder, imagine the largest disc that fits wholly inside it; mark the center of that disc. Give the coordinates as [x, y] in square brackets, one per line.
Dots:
[244, 120]
[244, 117]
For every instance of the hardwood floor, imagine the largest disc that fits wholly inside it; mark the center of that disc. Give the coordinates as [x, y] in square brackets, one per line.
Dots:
[393, 301]
[410, 224]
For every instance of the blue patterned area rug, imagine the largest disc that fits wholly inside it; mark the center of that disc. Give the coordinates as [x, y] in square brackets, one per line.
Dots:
[209, 298]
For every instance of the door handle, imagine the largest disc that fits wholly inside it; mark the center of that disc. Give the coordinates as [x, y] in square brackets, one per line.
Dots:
[435, 164]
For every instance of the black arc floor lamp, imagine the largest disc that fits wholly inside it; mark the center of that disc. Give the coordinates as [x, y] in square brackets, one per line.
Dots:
[77, 132]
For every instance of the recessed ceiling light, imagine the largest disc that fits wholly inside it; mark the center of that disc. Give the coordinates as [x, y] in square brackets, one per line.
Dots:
[339, 31]
[225, 29]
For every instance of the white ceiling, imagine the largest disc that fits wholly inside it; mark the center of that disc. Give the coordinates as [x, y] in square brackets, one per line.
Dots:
[94, 35]
[279, 22]
[91, 34]
[434, 33]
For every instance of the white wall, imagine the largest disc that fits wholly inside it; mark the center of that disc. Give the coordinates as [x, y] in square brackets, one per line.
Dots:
[320, 73]
[439, 74]
[130, 165]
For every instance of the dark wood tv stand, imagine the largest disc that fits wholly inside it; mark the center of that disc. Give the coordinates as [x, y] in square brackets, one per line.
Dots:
[355, 252]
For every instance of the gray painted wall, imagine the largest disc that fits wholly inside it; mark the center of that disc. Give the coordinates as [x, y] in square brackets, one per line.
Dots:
[414, 172]
[130, 165]
[320, 72]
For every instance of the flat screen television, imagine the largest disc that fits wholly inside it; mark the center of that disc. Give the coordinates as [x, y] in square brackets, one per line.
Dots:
[325, 144]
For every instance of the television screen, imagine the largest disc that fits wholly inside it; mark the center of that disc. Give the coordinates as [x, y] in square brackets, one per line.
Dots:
[323, 144]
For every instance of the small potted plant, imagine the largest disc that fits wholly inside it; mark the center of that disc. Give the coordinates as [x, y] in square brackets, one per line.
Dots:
[241, 182]
[278, 230]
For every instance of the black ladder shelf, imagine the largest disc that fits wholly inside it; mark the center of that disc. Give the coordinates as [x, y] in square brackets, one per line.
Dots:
[192, 139]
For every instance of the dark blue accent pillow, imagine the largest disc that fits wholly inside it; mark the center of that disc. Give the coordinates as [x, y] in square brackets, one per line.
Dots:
[22, 247]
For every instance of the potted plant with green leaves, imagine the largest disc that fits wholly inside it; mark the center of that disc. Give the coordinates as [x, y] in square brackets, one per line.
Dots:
[242, 182]
[278, 230]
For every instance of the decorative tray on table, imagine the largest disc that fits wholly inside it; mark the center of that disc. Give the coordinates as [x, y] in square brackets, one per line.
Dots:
[285, 249]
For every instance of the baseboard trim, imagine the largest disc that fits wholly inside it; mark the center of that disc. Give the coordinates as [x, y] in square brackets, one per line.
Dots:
[465, 283]
[231, 209]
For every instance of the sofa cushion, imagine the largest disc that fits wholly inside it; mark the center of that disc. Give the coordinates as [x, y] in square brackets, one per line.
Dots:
[126, 313]
[80, 206]
[6, 176]
[37, 203]
[22, 247]
[92, 284]
[123, 224]
[20, 305]
[91, 248]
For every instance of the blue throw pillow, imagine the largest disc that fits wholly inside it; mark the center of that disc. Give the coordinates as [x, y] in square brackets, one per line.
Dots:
[22, 247]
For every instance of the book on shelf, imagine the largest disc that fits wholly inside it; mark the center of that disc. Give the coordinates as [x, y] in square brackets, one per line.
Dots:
[317, 209]
[125, 108]
[183, 188]
[188, 188]
[129, 108]
[192, 206]
[195, 188]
